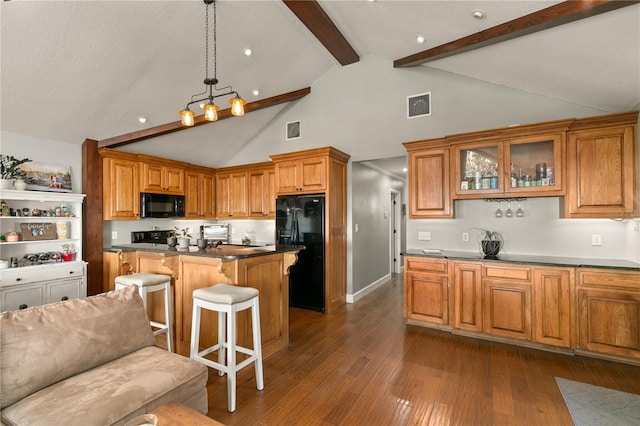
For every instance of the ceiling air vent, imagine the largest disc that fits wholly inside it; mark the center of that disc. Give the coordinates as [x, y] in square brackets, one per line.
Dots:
[419, 105]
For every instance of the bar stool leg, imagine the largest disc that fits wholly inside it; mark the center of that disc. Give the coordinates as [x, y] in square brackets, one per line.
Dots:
[222, 344]
[257, 343]
[195, 330]
[231, 359]
[167, 316]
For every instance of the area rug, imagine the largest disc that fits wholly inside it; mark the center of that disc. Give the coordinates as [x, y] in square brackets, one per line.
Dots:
[591, 405]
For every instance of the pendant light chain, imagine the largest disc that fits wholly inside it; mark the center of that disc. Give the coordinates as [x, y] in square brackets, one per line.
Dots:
[211, 114]
[215, 42]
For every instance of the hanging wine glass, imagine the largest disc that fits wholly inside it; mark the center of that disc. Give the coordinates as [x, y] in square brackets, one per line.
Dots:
[519, 212]
[509, 212]
[499, 211]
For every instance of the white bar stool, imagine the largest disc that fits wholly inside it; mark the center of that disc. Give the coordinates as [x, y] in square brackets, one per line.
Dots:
[227, 300]
[149, 283]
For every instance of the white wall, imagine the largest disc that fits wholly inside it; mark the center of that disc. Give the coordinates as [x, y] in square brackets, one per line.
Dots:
[45, 151]
[540, 232]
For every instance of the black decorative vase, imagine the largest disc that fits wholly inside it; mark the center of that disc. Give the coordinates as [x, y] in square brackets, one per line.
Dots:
[491, 248]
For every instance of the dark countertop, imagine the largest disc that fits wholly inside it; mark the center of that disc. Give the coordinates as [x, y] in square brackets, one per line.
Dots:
[226, 251]
[531, 259]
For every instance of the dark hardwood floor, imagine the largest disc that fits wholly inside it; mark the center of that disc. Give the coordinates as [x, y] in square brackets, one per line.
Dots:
[362, 365]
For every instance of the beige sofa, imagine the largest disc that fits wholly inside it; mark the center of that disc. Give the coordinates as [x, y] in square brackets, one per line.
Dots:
[90, 362]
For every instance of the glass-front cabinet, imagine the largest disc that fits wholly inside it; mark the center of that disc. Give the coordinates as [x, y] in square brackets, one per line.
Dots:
[535, 164]
[479, 169]
[525, 166]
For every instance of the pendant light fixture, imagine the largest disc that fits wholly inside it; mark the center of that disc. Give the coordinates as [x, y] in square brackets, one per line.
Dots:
[206, 102]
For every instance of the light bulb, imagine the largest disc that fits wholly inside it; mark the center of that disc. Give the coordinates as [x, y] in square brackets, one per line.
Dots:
[237, 106]
[187, 117]
[211, 112]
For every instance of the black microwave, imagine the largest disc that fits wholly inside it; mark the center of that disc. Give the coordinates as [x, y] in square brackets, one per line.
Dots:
[161, 205]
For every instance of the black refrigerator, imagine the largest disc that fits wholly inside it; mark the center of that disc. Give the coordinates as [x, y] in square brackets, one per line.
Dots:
[300, 220]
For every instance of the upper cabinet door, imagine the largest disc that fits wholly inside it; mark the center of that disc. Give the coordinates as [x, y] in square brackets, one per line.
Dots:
[121, 194]
[161, 178]
[307, 175]
[478, 169]
[429, 184]
[602, 171]
[534, 165]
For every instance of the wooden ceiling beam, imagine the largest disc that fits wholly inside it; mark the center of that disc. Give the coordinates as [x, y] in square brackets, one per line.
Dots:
[177, 126]
[553, 16]
[311, 14]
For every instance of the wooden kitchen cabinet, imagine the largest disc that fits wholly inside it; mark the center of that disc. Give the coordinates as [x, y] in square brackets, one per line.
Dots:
[121, 190]
[262, 193]
[301, 173]
[602, 168]
[200, 193]
[429, 178]
[553, 318]
[231, 194]
[467, 296]
[609, 312]
[507, 301]
[523, 161]
[161, 176]
[426, 290]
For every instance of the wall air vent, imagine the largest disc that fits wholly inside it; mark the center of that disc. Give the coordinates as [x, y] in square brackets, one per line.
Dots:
[419, 105]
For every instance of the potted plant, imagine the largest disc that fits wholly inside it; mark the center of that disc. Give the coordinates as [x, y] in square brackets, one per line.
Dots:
[172, 241]
[490, 242]
[184, 238]
[10, 170]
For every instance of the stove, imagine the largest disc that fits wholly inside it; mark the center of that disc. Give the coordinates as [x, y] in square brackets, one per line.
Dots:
[158, 237]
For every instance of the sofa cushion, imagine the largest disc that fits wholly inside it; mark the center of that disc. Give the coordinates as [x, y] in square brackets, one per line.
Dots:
[115, 392]
[42, 345]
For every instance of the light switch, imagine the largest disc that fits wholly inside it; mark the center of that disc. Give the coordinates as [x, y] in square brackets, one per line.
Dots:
[596, 240]
[356, 227]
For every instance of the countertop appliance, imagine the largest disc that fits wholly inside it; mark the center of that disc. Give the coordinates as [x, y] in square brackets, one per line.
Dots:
[215, 232]
[161, 205]
[155, 236]
[300, 219]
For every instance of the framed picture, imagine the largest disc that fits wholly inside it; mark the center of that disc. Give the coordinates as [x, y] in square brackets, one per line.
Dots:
[47, 177]
[293, 130]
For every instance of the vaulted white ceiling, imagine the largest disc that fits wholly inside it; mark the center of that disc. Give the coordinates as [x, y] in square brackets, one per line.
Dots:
[73, 70]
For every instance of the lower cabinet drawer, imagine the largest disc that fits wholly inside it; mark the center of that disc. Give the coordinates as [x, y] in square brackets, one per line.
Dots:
[21, 297]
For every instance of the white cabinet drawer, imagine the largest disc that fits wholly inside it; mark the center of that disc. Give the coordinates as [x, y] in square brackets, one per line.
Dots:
[65, 290]
[21, 297]
[41, 273]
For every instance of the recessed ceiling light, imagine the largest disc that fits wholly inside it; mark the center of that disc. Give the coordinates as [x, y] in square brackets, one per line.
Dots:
[142, 119]
[256, 92]
[248, 51]
[479, 14]
[420, 39]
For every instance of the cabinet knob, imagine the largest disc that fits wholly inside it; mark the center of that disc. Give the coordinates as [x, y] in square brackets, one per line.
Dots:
[18, 279]
[71, 272]
[23, 306]
[64, 298]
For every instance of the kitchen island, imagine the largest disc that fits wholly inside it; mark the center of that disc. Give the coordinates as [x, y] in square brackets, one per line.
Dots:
[265, 268]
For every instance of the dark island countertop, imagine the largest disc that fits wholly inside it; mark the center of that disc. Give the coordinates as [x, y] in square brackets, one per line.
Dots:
[225, 251]
[531, 259]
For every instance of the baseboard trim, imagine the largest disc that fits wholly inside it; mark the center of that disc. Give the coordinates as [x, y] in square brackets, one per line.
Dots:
[353, 298]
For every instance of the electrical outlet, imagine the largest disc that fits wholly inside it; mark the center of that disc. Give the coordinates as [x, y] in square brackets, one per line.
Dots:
[596, 240]
[465, 236]
[424, 236]
[114, 235]
[356, 227]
